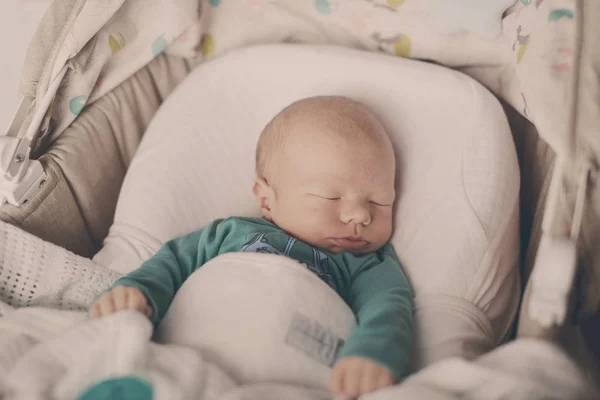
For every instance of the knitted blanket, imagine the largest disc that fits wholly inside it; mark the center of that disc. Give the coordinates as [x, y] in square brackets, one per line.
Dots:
[44, 289]
[35, 273]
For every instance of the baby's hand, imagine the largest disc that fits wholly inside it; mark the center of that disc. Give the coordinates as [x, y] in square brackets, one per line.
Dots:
[355, 376]
[120, 298]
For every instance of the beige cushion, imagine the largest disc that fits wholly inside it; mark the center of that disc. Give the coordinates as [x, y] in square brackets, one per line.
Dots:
[456, 228]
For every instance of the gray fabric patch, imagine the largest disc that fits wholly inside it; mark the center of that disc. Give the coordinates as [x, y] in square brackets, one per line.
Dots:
[313, 339]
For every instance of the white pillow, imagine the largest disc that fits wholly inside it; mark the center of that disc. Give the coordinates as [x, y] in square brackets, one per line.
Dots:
[456, 223]
[261, 318]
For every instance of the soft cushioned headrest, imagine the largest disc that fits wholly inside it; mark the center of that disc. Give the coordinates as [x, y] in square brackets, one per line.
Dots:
[456, 223]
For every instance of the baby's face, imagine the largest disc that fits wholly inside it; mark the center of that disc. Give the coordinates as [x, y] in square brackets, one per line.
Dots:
[334, 193]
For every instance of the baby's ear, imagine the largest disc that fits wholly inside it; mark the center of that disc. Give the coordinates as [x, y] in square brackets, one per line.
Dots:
[264, 194]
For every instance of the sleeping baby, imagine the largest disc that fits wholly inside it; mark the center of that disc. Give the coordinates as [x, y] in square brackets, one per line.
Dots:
[326, 187]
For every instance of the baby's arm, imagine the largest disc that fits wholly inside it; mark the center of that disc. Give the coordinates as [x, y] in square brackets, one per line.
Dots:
[151, 288]
[378, 351]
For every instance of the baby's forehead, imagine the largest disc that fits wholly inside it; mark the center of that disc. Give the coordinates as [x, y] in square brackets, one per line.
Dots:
[332, 131]
[337, 128]
[330, 155]
[335, 111]
[319, 124]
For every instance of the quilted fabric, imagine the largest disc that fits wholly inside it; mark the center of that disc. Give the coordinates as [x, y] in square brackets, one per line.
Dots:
[482, 17]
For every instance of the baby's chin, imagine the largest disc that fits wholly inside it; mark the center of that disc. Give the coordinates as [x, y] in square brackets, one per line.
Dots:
[370, 248]
[338, 250]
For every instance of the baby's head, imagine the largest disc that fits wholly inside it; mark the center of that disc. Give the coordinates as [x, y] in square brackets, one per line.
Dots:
[325, 174]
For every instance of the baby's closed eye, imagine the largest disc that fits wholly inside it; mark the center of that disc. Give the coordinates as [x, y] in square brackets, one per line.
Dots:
[380, 204]
[329, 197]
[326, 197]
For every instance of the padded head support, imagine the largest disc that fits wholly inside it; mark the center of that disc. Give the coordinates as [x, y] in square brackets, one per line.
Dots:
[456, 222]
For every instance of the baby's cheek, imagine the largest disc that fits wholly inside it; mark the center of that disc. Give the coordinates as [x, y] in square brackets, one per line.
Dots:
[383, 225]
[307, 214]
[320, 219]
[331, 213]
[318, 209]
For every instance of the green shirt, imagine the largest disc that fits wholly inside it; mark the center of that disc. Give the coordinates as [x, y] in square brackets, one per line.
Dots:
[373, 285]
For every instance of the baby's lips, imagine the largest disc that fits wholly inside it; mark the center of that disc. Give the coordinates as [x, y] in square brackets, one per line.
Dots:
[350, 243]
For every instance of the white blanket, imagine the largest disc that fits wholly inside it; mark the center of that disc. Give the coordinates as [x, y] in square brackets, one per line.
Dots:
[75, 361]
[49, 350]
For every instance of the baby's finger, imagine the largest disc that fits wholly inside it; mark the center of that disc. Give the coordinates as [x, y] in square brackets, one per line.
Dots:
[120, 298]
[335, 379]
[137, 301]
[95, 311]
[351, 380]
[148, 311]
[370, 378]
[106, 304]
[384, 379]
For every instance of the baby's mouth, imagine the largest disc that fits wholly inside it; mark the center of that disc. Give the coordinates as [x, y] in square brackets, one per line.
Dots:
[351, 242]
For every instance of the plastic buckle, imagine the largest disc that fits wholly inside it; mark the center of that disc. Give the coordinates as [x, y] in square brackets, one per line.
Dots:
[552, 280]
[20, 193]
[20, 177]
[14, 158]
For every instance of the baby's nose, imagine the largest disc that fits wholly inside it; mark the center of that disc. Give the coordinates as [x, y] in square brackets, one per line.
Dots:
[357, 212]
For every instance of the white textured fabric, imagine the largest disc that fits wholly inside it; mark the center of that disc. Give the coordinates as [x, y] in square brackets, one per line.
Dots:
[456, 226]
[262, 318]
[37, 273]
